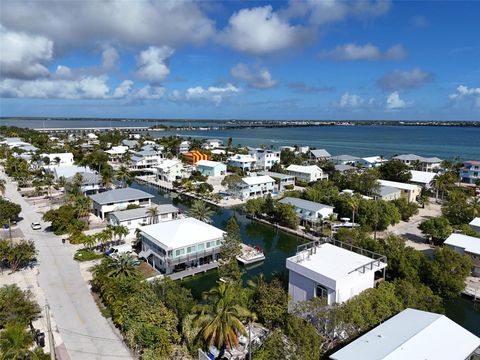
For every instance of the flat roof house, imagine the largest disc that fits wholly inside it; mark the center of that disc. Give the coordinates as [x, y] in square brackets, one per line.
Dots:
[211, 168]
[426, 163]
[410, 335]
[244, 162]
[344, 159]
[422, 178]
[118, 199]
[265, 159]
[212, 144]
[371, 161]
[135, 218]
[468, 245]
[58, 159]
[170, 170]
[333, 271]
[309, 211]
[145, 159]
[175, 245]
[475, 224]
[254, 186]
[306, 174]
[283, 181]
[408, 191]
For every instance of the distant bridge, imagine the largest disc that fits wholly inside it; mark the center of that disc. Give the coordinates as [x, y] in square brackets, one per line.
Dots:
[93, 129]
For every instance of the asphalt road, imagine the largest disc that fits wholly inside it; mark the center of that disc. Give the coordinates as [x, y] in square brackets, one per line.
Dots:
[86, 334]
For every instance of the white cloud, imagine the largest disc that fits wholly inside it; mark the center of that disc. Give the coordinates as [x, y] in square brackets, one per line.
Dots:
[150, 93]
[261, 31]
[404, 79]
[259, 78]
[326, 11]
[134, 23]
[123, 89]
[24, 56]
[109, 58]
[199, 94]
[63, 72]
[394, 102]
[152, 63]
[368, 51]
[464, 92]
[351, 101]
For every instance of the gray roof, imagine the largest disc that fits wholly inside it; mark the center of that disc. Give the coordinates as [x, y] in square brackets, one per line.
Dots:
[142, 212]
[276, 175]
[345, 158]
[120, 195]
[413, 157]
[130, 143]
[388, 190]
[304, 204]
[344, 167]
[146, 153]
[320, 153]
[88, 178]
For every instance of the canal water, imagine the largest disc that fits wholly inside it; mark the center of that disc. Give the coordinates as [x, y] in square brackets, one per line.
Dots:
[277, 246]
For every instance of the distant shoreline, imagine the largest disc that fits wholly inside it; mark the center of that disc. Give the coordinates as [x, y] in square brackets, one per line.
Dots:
[163, 124]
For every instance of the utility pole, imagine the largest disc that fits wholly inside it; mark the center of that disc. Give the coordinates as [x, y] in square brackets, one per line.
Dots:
[50, 333]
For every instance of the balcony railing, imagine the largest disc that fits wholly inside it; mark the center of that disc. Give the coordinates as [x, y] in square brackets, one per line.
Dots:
[171, 261]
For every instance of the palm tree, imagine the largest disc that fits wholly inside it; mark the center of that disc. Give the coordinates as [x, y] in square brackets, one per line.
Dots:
[200, 211]
[475, 206]
[353, 203]
[62, 182]
[83, 206]
[152, 212]
[220, 317]
[57, 160]
[123, 266]
[124, 176]
[2, 186]
[120, 231]
[15, 342]
[105, 236]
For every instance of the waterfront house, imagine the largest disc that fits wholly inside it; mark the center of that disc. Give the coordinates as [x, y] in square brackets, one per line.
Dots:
[424, 163]
[468, 245]
[265, 159]
[116, 152]
[408, 191]
[333, 272]
[244, 162]
[475, 224]
[131, 144]
[193, 156]
[319, 155]
[344, 168]
[175, 245]
[303, 149]
[134, 218]
[170, 170]
[287, 148]
[91, 182]
[145, 159]
[371, 161]
[254, 186]
[344, 159]
[58, 159]
[422, 178]
[118, 199]
[306, 174]
[470, 172]
[211, 144]
[413, 334]
[283, 181]
[70, 171]
[309, 212]
[211, 168]
[389, 193]
[183, 147]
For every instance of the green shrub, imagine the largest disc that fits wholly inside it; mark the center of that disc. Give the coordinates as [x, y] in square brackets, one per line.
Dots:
[87, 255]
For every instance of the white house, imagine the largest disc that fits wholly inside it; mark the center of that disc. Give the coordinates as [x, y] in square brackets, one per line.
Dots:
[287, 148]
[408, 191]
[371, 161]
[303, 149]
[58, 159]
[413, 335]
[475, 224]
[211, 168]
[389, 193]
[320, 155]
[131, 144]
[70, 171]
[118, 199]
[174, 245]
[91, 182]
[426, 163]
[211, 144]
[145, 159]
[306, 174]
[244, 162]
[468, 245]
[116, 151]
[344, 159]
[265, 159]
[283, 181]
[254, 186]
[170, 170]
[331, 272]
[183, 147]
[422, 178]
[309, 211]
[134, 218]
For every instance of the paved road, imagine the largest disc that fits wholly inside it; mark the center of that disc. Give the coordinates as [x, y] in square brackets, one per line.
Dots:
[85, 333]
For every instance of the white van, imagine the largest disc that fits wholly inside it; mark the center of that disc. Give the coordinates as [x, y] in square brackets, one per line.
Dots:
[120, 249]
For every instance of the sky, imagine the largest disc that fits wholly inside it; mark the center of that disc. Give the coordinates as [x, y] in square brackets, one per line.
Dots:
[327, 60]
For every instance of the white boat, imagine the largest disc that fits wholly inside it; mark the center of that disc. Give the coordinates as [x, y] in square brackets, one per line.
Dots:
[250, 255]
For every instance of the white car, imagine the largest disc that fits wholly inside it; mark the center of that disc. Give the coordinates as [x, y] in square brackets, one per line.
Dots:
[36, 226]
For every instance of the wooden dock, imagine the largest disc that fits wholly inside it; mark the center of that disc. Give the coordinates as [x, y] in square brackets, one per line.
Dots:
[193, 271]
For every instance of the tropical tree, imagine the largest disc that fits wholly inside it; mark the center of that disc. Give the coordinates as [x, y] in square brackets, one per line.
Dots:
[353, 203]
[124, 175]
[220, 317]
[120, 231]
[57, 160]
[201, 211]
[62, 182]
[2, 186]
[15, 342]
[123, 266]
[474, 205]
[152, 212]
[83, 206]
[17, 306]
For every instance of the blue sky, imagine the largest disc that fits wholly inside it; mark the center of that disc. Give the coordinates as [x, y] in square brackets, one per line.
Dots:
[245, 60]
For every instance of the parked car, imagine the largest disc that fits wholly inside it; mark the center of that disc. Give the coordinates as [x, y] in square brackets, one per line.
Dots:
[119, 249]
[36, 226]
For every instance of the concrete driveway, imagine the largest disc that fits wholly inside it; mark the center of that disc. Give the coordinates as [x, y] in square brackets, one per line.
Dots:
[86, 334]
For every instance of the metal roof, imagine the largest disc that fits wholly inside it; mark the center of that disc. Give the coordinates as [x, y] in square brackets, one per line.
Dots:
[276, 175]
[320, 153]
[256, 180]
[412, 334]
[142, 212]
[388, 190]
[345, 158]
[469, 244]
[305, 204]
[120, 195]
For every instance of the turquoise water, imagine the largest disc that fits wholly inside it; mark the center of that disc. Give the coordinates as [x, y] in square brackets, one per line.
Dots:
[444, 142]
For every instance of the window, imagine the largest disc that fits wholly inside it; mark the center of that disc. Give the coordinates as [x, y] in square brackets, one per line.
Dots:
[200, 247]
[321, 292]
[208, 244]
[190, 249]
[179, 252]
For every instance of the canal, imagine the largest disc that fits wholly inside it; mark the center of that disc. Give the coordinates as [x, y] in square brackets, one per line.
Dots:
[277, 246]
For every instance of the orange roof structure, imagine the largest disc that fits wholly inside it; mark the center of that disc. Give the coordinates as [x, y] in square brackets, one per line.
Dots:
[194, 156]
